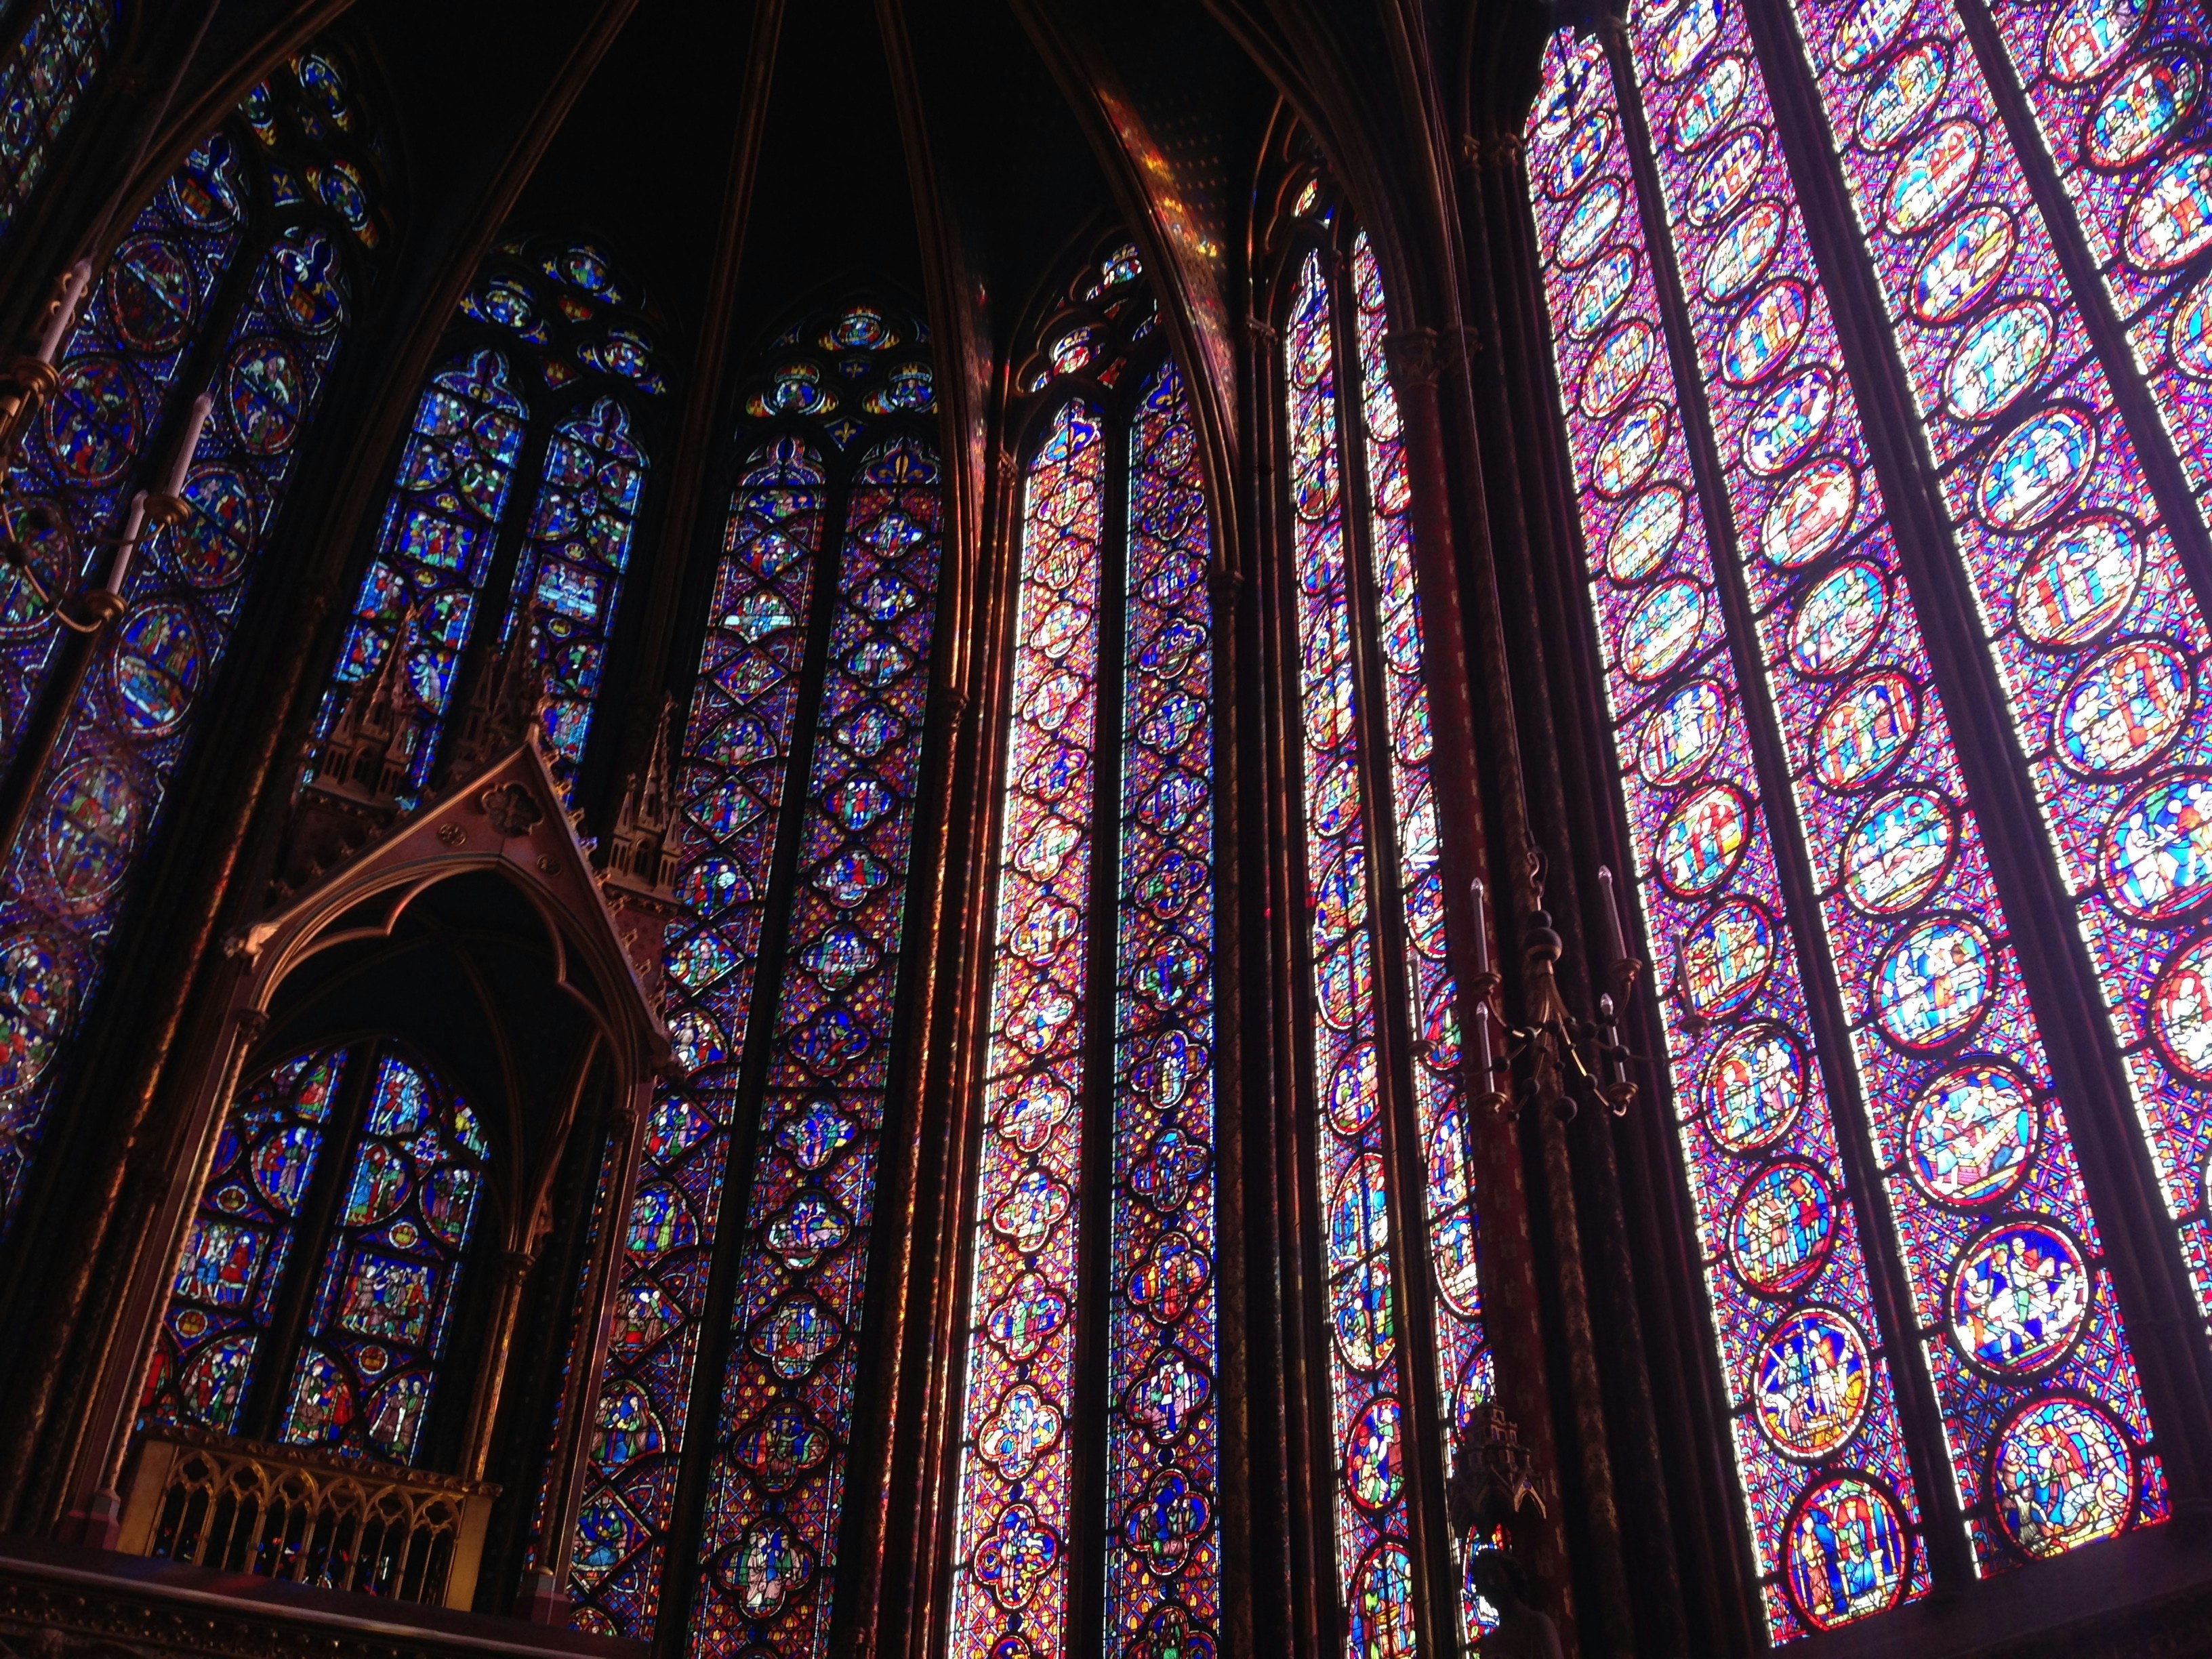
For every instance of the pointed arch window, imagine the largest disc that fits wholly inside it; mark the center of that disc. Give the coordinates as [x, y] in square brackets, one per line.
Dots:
[46, 71]
[312, 1298]
[1403, 1317]
[232, 280]
[1101, 1009]
[1853, 918]
[553, 372]
[734, 1374]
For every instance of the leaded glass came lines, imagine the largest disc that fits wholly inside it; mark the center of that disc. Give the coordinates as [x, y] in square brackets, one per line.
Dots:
[43, 78]
[1950, 1054]
[1829, 1492]
[1009, 1561]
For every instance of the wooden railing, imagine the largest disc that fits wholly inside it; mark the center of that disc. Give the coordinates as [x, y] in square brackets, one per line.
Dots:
[306, 1517]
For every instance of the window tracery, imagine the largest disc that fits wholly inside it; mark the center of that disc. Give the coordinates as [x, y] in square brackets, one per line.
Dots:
[48, 69]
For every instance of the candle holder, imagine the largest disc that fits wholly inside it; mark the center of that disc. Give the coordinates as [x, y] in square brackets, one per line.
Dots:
[1567, 1058]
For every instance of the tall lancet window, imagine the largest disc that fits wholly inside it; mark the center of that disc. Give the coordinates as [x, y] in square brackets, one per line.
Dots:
[1806, 445]
[1403, 1335]
[1094, 1213]
[237, 280]
[741, 1325]
[45, 74]
[549, 369]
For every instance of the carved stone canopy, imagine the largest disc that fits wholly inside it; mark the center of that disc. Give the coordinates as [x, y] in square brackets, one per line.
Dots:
[477, 931]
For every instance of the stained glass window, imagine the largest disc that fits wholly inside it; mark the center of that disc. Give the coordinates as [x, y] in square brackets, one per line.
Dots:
[44, 76]
[831, 557]
[553, 349]
[121, 740]
[2060, 468]
[1113, 421]
[335, 1220]
[1381, 1033]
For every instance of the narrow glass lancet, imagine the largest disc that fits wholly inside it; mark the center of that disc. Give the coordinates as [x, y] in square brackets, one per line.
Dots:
[1984, 1190]
[1366, 1394]
[1010, 1563]
[777, 1481]
[1464, 1370]
[1829, 1492]
[45, 77]
[436, 547]
[737, 747]
[1162, 1528]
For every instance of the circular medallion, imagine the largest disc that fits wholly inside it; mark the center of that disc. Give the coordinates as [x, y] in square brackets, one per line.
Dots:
[1682, 734]
[1752, 1088]
[92, 422]
[211, 547]
[38, 1004]
[2089, 36]
[2019, 1297]
[154, 668]
[1810, 512]
[1931, 177]
[93, 826]
[1972, 1134]
[1837, 618]
[1934, 982]
[1905, 90]
[1599, 294]
[2190, 333]
[1813, 1382]
[2064, 1477]
[1765, 332]
[1725, 958]
[1860, 735]
[150, 289]
[1662, 630]
[1740, 252]
[1867, 31]
[1896, 850]
[1701, 841]
[2181, 1011]
[1374, 1456]
[1846, 1553]
[1964, 264]
[1687, 37]
[2036, 468]
[1616, 368]
[2082, 577]
[2124, 707]
[1353, 1091]
[2150, 100]
[1709, 101]
[1585, 148]
[1789, 421]
[1644, 534]
[1360, 1231]
[2170, 221]
[267, 393]
[1784, 1224]
[1631, 450]
[1588, 224]
[1380, 1616]
[1726, 176]
[2158, 848]
[1999, 359]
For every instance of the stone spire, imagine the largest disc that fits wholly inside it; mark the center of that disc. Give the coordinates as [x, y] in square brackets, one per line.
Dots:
[642, 851]
[504, 708]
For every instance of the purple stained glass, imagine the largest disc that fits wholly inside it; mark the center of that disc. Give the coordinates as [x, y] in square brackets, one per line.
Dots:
[1916, 927]
[375, 1329]
[103, 788]
[223, 1299]
[1366, 1386]
[1163, 1476]
[570, 574]
[1464, 1369]
[779, 1471]
[731, 784]
[1011, 1541]
[435, 546]
[1767, 1183]
[43, 78]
